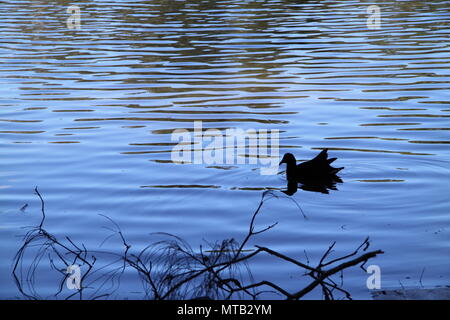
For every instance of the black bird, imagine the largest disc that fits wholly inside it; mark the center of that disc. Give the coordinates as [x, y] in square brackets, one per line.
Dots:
[315, 175]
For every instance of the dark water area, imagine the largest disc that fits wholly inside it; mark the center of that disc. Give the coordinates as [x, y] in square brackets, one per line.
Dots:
[87, 116]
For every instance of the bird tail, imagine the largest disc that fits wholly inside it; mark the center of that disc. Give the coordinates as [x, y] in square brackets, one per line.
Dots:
[336, 170]
[322, 156]
[331, 160]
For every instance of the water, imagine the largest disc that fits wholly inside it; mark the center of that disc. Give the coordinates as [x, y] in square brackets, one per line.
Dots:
[87, 116]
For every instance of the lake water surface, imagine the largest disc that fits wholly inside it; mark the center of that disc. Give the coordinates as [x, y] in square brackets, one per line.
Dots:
[87, 115]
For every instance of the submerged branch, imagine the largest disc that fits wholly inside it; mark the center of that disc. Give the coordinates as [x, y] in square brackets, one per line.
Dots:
[171, 269]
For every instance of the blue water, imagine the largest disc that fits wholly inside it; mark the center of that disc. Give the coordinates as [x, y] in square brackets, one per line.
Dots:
[87, 116]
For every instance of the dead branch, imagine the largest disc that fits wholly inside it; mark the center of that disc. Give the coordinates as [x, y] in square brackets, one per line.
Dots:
[171, 269]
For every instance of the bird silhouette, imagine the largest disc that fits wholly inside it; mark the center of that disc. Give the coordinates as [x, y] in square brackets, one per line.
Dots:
[314, 175]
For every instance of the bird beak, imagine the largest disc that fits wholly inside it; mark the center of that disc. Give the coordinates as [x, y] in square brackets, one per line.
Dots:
[281, 162]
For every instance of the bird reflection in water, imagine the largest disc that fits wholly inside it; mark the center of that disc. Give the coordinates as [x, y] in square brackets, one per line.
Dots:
[316, 175]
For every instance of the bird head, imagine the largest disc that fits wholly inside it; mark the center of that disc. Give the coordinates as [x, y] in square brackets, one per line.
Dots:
[288, 158]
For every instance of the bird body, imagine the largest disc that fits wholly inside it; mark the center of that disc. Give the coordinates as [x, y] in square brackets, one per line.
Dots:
[317, 169]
